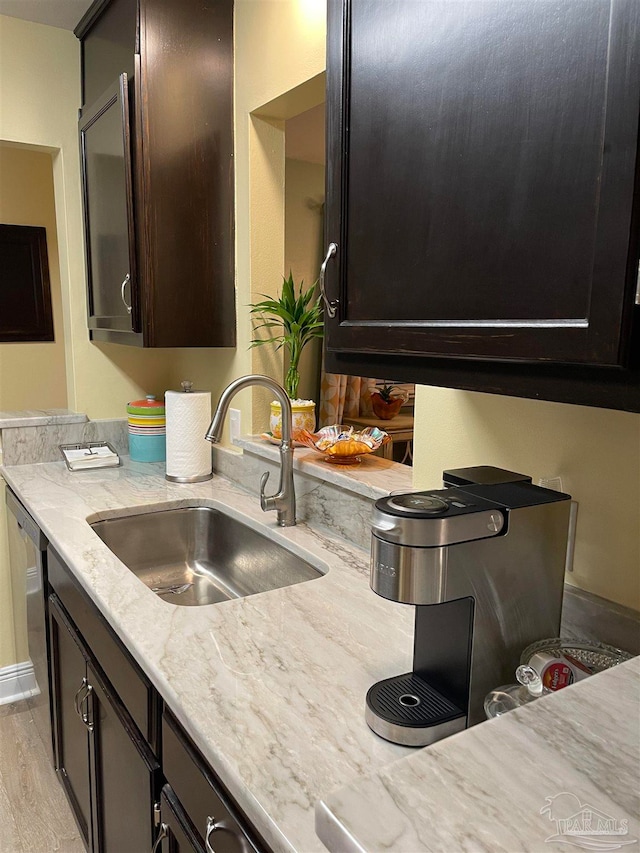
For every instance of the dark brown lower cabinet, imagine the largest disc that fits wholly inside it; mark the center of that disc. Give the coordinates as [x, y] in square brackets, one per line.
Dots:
[109, 745]
[176, 833]
[201, 801]
[70, 733]
[109, 772]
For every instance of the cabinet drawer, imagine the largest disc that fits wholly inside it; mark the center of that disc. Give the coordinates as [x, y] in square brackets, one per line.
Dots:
[177, 831]
[126, 677]
[218, 821]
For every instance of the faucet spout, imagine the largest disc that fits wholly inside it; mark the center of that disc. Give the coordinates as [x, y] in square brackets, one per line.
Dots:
[284, 501]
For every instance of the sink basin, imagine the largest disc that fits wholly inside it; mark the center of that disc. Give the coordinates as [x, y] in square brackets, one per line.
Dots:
[199, 555]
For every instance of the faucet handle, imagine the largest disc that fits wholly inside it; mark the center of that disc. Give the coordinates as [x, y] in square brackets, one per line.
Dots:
[266, 503]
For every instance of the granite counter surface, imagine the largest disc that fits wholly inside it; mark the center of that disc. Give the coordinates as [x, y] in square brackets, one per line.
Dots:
[562, 773]
[271, 689]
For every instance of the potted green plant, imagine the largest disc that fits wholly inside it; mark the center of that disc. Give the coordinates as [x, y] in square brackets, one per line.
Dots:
[385, 403]
[292, 319]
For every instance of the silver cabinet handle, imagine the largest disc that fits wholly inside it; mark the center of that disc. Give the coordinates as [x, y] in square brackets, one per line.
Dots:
[330, 305]
[211, 827]
[76, 698]
[162, 833]
[84, 713]
[223, 826]
[125, 282]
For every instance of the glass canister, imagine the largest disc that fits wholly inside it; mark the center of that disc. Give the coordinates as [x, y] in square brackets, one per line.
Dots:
[147, 430]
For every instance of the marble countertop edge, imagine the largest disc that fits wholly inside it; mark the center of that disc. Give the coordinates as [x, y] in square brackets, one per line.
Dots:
[40, 417]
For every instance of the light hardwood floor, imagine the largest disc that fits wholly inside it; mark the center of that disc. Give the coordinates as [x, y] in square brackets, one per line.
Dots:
[34, 814]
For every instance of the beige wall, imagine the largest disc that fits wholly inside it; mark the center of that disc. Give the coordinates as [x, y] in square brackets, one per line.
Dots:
[32, 375]
[39, 97]
[304, 195]
[595, 451]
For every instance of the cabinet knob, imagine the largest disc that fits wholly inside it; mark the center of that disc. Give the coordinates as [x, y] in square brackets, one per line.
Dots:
[330, 305]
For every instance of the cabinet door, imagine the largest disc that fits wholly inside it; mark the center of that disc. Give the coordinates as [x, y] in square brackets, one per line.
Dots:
[126, 774]
[105, 148]
[482, 160]
[71, 735]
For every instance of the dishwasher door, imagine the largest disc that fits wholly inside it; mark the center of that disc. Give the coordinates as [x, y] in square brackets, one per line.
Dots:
[28, 555]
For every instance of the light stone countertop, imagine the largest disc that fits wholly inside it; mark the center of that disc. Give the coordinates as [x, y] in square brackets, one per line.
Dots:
[40, 417]
[271, 689]
[508, 785]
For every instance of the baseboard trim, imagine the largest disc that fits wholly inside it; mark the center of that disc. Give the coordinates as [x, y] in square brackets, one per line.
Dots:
[17, 682]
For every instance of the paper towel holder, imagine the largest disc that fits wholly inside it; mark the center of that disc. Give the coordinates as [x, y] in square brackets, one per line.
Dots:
[187, 388]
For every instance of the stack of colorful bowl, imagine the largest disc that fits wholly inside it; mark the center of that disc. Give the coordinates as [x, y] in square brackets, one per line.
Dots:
[147, 430]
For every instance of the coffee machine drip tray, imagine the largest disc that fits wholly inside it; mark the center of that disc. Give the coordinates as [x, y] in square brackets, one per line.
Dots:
[407, 710]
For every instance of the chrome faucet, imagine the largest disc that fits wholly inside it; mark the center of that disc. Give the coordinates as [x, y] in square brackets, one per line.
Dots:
[284, 501]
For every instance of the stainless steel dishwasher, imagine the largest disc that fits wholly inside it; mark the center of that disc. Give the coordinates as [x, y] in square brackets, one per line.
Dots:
[28, 556]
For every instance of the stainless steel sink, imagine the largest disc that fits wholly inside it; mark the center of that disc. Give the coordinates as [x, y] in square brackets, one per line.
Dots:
[199, 555]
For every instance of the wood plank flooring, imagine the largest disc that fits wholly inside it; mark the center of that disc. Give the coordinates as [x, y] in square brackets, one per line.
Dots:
[34, 814]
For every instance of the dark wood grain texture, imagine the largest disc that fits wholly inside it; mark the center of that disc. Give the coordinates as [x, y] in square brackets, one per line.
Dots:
[109, 218]
[127, 678]
[605, 388]
[127, 775]
[108, 768]
[482, 186]
[179, 57]
[181, 836]
[201, 794]
[108, 35]
[71, 738]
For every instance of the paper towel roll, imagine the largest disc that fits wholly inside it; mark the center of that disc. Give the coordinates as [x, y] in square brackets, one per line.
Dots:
[188, 452]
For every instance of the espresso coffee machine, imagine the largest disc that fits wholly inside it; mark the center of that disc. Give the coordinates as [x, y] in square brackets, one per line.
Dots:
[483, 562]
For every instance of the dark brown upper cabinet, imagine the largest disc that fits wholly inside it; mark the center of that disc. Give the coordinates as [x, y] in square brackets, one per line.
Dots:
[482, 192]
[108, 212]
[156, 140]
[25, 288]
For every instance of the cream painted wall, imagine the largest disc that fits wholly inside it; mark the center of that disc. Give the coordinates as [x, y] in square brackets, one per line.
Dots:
[304, 193]
[40, 96]
[595, 451]
[279, 46]
[32, 375]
